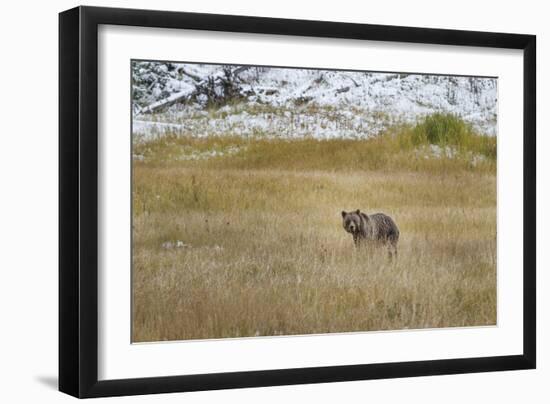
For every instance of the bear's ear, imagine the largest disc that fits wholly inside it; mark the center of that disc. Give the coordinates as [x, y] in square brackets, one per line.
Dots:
[358, 211]
[344, 213]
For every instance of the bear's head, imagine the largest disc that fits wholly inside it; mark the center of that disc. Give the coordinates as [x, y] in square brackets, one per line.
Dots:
[351, 221]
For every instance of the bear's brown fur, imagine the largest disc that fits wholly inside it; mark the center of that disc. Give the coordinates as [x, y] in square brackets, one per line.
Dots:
[366, 229]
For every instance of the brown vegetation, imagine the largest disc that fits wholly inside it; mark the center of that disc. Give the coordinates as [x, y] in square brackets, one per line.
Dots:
[263, 250]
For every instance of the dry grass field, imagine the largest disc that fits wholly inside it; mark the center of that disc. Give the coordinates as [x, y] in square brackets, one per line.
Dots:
[238, 237]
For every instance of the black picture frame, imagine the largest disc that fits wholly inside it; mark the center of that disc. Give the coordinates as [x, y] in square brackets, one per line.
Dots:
[78, 201]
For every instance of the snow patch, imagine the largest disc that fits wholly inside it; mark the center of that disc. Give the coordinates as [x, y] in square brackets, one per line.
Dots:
[315, 103]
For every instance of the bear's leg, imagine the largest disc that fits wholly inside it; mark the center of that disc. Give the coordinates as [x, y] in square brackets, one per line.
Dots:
[392, 249]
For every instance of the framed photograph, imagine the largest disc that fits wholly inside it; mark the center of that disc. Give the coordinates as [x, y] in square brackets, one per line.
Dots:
[250, 201]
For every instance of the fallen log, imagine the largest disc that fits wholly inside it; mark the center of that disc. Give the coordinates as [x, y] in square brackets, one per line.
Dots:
[201, 86]
[166, 102]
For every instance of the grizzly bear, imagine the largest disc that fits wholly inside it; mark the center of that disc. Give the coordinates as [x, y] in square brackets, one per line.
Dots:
[375, 229]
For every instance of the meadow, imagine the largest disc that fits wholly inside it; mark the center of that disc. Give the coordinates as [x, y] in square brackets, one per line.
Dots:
[240, 237]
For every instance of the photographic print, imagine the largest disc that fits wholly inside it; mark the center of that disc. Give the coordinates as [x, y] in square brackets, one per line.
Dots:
[278, 201]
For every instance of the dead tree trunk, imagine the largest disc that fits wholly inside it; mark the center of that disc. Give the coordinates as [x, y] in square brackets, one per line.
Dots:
[217, 88]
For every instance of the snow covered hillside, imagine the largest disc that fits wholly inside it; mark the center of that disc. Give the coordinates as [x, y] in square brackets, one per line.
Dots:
[203, 100]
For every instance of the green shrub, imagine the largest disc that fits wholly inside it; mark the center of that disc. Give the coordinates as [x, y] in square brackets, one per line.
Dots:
[442, 129]
[450, 130]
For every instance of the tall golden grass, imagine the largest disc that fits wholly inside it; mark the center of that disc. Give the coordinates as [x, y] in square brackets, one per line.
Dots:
[263, 250]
